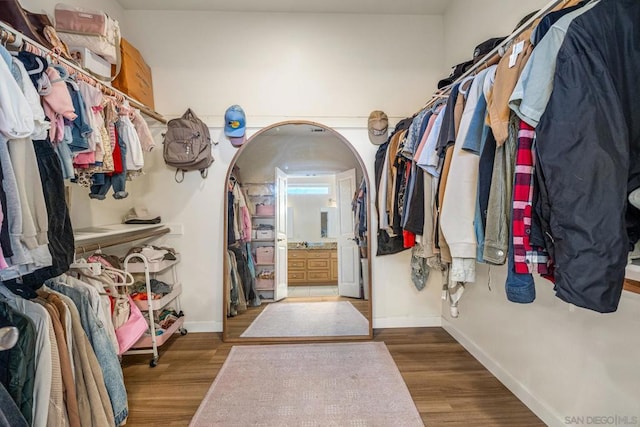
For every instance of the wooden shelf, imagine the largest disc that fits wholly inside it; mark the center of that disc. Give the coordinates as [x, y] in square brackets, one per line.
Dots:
[632, 277]
[632, 286]
[91, 238]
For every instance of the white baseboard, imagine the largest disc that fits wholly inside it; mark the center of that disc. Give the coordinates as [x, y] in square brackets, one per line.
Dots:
[543, 411]
[387, 322]
[203, 326]
[407, 322]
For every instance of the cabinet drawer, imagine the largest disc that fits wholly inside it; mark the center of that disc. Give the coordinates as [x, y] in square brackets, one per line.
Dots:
[297, 275]
[297, 264]
[334, 254]
[297, 254]
[318, 264]
[318, 275]
[319, 253]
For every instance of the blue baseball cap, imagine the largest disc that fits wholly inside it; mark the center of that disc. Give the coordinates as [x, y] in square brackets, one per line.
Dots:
[235, 122]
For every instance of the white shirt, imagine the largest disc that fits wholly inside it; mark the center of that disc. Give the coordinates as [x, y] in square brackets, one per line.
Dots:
[16, 116]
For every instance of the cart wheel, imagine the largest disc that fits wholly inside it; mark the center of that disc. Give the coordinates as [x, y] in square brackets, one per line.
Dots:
[153, 363]
[183, 331]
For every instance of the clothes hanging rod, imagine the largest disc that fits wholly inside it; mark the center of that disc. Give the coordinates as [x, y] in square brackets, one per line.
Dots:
[14, 37]
[132, 237]
[488, 59]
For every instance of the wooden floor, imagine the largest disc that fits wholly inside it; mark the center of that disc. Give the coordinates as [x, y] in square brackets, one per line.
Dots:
[449, 387]
[238, 324]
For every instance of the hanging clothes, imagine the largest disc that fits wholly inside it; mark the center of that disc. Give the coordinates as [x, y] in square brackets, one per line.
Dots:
[592, 121]
[104, 350]
[20, 369]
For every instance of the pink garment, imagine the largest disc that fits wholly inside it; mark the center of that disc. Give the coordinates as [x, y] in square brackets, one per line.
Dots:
[84, 160]
[57, 103]
[143, 131]
[246, 223]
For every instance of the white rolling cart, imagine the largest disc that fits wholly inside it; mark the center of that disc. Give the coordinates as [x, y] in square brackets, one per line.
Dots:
[151, 343]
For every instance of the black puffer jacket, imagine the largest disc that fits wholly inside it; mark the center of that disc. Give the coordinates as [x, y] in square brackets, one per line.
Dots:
[21, 366]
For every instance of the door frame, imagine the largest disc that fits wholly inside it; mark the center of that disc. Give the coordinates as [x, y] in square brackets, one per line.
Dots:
[225, 272]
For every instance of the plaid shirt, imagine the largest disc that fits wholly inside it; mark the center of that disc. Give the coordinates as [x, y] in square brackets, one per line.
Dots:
[527, 259]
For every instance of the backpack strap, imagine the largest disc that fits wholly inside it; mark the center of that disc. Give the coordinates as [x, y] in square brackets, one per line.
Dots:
[181, 177]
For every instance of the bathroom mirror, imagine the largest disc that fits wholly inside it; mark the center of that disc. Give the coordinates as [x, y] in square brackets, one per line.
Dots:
[297, 248]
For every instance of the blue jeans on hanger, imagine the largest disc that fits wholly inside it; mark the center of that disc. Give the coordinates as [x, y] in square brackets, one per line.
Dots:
[65, 155]
[519, 287]
[103, 182]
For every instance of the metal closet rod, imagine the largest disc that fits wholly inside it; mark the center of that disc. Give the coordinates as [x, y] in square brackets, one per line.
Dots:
[494, 54]
[81, 249]
[14, 35]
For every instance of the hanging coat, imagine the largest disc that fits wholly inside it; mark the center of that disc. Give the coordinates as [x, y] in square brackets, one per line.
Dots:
[588, 144]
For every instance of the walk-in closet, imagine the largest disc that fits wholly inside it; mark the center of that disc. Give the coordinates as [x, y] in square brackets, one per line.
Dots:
[409, 213]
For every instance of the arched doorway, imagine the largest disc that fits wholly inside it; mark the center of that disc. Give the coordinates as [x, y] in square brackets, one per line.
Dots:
[301, 149]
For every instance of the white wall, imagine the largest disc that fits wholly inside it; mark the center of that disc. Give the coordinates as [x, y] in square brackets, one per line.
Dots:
[289, 65]
[560, 360]
[333, 69]
[468, 23]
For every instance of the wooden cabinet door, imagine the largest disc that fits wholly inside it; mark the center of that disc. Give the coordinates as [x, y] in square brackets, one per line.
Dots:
[297, 276]
[334, 269]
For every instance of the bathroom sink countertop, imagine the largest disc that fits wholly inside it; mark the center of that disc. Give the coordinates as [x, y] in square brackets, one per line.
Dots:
[314, 245]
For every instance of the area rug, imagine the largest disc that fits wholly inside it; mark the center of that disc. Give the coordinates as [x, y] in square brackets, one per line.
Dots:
[308, 319]
[319, 385]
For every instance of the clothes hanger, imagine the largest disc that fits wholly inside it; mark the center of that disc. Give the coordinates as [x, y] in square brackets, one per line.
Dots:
[126, 278]
[93, 268]
[441, 99]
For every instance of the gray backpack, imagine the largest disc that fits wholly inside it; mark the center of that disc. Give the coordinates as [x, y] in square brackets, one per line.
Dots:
[187, 145]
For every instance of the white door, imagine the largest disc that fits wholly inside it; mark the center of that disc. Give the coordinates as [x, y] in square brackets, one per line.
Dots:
[348, 251]
[280, 286]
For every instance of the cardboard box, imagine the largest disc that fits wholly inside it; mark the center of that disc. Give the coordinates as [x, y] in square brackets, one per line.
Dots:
[91, 61]
[135, 76]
